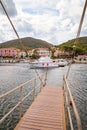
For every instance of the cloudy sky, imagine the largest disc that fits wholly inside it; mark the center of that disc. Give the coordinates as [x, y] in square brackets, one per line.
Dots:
[54, 21]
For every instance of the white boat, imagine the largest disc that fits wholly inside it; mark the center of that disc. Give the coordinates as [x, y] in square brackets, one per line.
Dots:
[43, 62]
[62, 62]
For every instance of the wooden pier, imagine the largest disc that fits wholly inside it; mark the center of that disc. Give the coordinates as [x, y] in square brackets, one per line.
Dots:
[46, 112]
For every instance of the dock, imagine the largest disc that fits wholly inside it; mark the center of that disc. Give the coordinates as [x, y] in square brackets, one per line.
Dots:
[46, 112]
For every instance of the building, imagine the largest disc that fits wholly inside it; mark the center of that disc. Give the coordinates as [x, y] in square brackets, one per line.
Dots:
[29, 52]
[22, 54]
[9, 52]
[82, 57]
[61, 53]
[43, 52]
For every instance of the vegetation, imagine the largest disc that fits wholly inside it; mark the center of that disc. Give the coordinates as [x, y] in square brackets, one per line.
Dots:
[28, 43]
[53, 51]
[80, 47]
[35, 54]
[32, 43]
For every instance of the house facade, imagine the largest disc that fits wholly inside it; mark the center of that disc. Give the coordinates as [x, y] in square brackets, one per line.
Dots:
[43, 52]
[22, 54]
[60, 53]
[12, 52]
[82, 57]
[9, 52]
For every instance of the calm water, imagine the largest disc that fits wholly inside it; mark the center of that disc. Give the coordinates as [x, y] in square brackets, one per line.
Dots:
[14, 74]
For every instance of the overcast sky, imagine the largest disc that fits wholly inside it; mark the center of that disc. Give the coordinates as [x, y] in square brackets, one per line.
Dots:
[54, 21]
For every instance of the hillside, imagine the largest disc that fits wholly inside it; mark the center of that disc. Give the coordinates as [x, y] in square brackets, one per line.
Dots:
[28, 43]
[81, 44]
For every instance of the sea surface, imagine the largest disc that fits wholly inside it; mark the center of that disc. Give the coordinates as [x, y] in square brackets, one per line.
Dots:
[12, 75]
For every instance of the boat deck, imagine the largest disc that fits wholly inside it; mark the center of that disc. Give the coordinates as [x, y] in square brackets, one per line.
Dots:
[46, 112]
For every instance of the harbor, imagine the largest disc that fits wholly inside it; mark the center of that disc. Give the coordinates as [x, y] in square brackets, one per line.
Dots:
[43, 84]
[14, 75]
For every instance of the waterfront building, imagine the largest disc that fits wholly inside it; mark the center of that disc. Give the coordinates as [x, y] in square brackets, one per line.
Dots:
[61, 53]
[22, 54]
[43, 52]
[9, 52]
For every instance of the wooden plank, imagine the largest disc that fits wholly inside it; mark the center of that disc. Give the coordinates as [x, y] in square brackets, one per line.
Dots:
[46, 112]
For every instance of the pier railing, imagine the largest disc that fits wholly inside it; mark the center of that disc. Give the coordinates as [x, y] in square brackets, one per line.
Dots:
[69, 103]
[19, 88]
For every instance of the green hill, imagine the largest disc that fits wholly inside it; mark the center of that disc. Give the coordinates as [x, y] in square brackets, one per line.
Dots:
[81, 45]
[28, 43]
[31, 43]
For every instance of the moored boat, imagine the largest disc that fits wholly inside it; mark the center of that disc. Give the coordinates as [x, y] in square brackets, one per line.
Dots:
[62, 62]
[44, 62]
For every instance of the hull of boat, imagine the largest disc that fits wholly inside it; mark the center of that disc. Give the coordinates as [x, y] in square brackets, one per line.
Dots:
[44, 65]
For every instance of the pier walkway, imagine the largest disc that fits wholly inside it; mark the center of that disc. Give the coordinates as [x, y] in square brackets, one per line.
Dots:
[46, 112]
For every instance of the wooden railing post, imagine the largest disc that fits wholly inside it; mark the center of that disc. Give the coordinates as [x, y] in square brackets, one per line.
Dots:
[20, 114]
[70, 101]
[34, 88]
[21, 98]
[65, 102]
[41, 84]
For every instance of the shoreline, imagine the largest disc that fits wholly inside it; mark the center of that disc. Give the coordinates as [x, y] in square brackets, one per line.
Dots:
[80, 62]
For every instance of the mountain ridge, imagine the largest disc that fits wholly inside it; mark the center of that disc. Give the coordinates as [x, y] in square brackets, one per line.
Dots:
[32, 43]
[81, 44]
[28, 43]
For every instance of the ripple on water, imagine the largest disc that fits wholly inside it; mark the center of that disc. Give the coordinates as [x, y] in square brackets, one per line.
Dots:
[13, 75]
[78, 81]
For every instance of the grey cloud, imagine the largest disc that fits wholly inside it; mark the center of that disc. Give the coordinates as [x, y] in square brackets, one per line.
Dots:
[10, 7]
[42, 11]
[24, 26]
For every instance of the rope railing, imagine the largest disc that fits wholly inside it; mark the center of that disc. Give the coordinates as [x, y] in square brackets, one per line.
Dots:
[69, 101]
[19, 39]
[13, 27]
[20, 87]
[78, 33]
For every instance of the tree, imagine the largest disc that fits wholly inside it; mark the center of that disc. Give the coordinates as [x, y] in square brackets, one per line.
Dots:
[35, 54]
[79, 50]
[53, 50]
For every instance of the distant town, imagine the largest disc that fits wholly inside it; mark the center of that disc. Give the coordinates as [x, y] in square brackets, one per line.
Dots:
[15, 53]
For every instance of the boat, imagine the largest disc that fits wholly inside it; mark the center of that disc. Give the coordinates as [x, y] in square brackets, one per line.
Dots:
[62, 62]
[54, 102]
[44, 62]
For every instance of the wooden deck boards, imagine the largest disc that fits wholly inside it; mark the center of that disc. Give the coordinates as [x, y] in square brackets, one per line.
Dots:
[46, 112]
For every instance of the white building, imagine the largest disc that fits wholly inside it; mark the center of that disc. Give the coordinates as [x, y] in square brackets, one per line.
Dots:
[43, 52]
